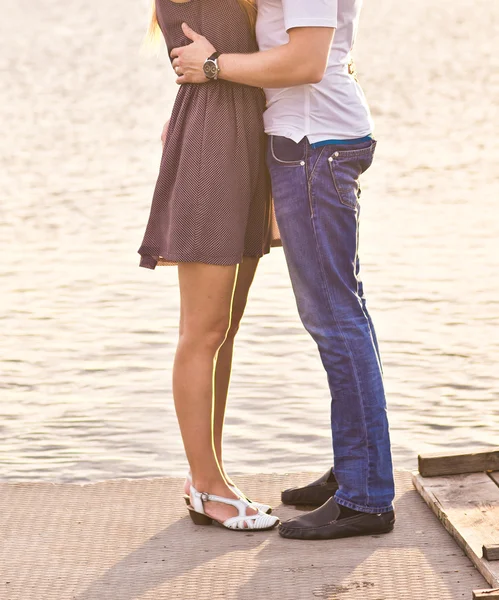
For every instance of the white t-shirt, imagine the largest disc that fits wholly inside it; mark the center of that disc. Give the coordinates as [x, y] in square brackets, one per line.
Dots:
[336, 107]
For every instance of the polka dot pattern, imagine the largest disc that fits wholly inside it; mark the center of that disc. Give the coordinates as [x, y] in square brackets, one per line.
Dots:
[212, 202]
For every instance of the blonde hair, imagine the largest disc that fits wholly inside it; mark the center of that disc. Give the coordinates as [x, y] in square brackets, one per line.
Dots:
[154, 32]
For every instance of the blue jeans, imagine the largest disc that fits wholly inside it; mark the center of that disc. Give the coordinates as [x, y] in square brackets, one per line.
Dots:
[316, 195]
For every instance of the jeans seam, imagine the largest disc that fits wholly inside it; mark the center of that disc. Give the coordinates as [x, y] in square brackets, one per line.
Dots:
[353, 506]
[356, 258]
[309, 187]
[315, 165]
[310, 182]
[353, 207]
[357, 383]
[355, 153]
[362, 298]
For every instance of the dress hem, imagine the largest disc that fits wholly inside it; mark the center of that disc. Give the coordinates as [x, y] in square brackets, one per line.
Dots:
[149, 261]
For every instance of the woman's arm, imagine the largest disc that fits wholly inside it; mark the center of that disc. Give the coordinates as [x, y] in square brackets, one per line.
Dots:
[302, 60]
[165, 132]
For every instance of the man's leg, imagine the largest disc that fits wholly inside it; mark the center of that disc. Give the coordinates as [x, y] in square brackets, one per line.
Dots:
[316, 201]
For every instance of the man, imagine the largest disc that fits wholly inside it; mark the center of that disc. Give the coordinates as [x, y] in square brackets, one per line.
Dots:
[320, 142]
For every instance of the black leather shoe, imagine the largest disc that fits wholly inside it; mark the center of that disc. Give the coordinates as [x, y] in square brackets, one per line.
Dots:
[323, 524]
[313, 494]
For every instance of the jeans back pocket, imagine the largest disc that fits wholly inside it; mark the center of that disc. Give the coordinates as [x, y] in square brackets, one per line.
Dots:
[346, 168]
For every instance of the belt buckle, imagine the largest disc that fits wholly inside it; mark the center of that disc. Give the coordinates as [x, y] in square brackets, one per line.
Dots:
[352, 70]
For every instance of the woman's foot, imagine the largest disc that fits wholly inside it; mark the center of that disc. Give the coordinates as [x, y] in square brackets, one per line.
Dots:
[217, 510]
[265, 508]
[188, 482]
[228, 510]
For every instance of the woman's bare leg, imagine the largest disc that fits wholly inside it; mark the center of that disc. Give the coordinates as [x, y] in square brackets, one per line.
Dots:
[206, 293]
[245, 276]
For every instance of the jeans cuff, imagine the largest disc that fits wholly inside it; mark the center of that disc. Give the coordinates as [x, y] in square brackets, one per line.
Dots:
[376, 510]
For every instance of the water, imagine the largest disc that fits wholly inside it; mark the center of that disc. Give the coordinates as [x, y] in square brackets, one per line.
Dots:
[88, 337]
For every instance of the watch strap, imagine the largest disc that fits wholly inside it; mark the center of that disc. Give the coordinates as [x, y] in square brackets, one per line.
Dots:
[211, 69]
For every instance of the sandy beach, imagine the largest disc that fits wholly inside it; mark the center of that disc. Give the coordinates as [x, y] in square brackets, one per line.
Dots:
[88, 337]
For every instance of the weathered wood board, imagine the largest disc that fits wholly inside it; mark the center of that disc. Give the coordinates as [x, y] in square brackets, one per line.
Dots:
[436, 465]
[468, 507]
[495, 476]
[491, 551]
[486, 594]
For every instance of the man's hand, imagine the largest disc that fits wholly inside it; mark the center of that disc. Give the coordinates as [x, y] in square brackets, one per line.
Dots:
[189, 60]
[164, 133]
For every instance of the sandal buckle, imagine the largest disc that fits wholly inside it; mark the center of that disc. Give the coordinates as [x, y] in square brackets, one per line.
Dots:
[204, 497]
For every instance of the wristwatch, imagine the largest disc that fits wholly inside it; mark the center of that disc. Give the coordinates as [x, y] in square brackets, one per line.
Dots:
[210, 67]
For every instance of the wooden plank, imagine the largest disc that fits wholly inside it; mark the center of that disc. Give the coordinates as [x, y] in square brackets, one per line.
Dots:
[468, 507]
[495, 477]
[436, 465]
[486, 594]
[491, 552]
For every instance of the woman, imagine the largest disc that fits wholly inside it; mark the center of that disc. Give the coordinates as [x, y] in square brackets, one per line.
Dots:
[211, 215]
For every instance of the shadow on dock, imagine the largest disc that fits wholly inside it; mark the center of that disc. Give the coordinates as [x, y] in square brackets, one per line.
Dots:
[132, 539]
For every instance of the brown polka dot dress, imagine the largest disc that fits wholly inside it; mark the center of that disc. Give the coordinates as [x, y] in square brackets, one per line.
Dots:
[212, 202]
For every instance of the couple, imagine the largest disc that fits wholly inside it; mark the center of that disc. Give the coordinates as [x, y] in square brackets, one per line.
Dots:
[212, 215]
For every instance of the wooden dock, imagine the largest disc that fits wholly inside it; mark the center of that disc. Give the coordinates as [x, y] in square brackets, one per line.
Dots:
[463, 492]
[132, 539]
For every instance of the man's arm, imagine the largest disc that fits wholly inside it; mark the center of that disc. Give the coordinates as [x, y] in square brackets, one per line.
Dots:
[302, 60]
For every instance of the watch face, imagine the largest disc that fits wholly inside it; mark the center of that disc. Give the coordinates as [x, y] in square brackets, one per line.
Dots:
[210, 69]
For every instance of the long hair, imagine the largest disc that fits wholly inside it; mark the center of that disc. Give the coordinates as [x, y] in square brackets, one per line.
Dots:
[154, 32]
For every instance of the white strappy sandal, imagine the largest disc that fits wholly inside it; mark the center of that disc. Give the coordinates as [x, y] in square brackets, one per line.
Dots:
[265, 508]
[243, 522]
